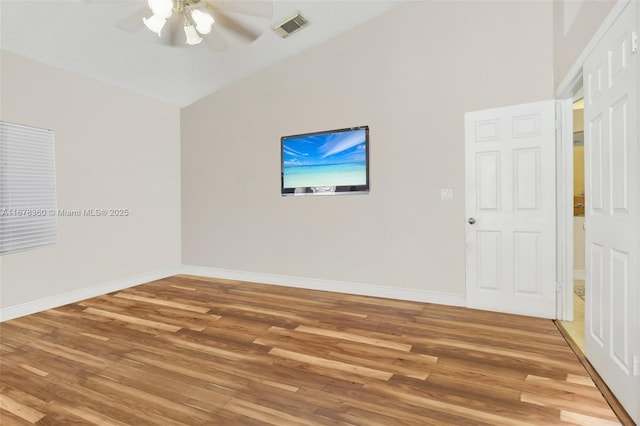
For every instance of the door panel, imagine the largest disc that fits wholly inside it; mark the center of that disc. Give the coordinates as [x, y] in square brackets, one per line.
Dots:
[489, 251]
[619, 144]
[526, 126]
[526, 177]
[611, 216]
[526, 252]
[620, 312]
[596, 307]
[510, 157]
[595, 178]
[488, 180]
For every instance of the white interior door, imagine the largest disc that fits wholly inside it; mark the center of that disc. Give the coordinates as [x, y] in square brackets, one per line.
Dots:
[612, 322]
[510, 207]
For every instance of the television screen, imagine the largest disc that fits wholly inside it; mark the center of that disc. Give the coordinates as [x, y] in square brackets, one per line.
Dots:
[324, 163]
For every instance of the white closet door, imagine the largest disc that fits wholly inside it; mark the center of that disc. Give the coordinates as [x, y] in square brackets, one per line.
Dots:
[612, 323]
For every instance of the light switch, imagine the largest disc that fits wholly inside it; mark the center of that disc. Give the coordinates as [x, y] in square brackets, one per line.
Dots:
[446, 194]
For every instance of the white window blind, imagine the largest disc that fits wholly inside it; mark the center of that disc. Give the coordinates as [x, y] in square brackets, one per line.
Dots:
[28, 207]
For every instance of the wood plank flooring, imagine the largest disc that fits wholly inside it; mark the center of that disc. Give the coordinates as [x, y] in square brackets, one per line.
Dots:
[194, 351]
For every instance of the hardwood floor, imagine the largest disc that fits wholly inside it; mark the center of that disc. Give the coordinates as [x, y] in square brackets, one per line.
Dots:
[195, 351]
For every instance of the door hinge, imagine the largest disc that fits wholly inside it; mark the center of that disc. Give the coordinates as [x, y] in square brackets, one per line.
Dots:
[634, 41]
[636, 365]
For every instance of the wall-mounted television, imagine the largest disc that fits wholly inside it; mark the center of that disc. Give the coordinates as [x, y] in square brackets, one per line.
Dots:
[326, 163]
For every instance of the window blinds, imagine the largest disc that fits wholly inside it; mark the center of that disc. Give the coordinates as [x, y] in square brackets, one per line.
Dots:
[28, 208]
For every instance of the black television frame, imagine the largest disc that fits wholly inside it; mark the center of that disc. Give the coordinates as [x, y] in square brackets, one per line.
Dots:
[325, 190]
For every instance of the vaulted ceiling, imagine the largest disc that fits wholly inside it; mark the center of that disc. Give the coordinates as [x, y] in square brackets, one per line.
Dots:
[85, 37]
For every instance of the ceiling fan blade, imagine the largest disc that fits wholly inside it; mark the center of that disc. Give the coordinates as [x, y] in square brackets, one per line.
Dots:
[263, 8]
[172, 34]
[245, 33]
[214, 41]
[133, 22]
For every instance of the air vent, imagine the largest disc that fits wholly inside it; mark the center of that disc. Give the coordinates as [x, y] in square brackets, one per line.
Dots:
[290, 25]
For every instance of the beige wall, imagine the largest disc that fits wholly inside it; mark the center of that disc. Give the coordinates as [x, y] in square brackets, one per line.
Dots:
[113, 150]
[578, 244]
[578, 120]
[410, 75]
[570, 38]
[578, 170]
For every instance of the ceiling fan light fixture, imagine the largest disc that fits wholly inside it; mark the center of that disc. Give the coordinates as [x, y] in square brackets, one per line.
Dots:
[197, 17]
[155, 23]
[203, 21]
[192, 35]
[162, 8]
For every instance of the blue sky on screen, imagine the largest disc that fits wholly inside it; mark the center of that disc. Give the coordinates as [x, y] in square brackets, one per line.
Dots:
[327, 148]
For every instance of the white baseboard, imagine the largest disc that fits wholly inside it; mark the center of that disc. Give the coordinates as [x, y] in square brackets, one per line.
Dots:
[326, 285]
[579, 274]
[82, 294]
[283, 280]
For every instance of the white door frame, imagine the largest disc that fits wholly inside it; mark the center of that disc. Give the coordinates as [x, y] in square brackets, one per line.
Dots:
[564, 205]
[564, 173]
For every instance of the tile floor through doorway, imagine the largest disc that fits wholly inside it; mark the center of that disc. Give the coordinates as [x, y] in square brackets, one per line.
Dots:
[575, 328]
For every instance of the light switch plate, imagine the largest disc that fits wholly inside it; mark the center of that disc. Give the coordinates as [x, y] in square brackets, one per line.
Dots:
[446, 194]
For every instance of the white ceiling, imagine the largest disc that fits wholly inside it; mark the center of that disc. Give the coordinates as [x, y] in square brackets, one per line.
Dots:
[80, 36]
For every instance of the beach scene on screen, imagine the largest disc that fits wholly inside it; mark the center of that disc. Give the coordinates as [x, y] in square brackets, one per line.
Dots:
[328, 159]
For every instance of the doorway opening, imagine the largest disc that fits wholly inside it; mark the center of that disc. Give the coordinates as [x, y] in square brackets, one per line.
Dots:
[576, 327]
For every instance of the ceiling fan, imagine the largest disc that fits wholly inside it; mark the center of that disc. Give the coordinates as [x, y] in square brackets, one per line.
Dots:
[180, 22]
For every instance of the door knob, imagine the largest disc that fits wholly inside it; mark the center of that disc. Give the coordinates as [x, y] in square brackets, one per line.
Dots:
[471, 221]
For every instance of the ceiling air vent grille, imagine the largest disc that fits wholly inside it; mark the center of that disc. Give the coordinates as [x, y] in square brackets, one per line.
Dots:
[290, 25]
